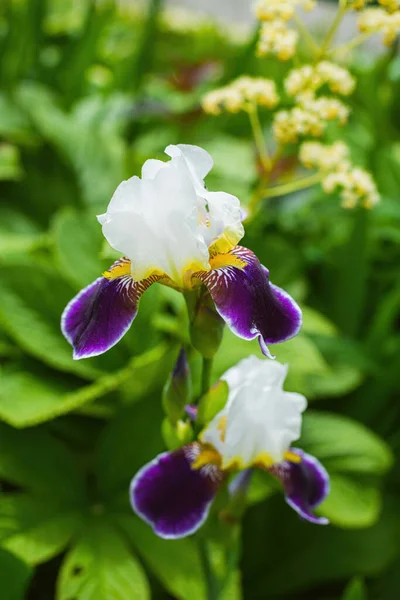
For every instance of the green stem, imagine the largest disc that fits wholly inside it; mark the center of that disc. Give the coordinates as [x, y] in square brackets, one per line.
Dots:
[293, 186]
[259, 137]
[333, 28]
[308, 38]
[206, 375]
[359, 39]
[212, 583]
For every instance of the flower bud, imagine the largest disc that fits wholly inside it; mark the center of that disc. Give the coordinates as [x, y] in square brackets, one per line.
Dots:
[176, 435]
[206, 327]
[176, 393]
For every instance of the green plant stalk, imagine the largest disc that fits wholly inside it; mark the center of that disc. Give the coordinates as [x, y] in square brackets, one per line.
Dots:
[259, 137]
[206, 375]
[308, 38]
[212, 583]
[333, 28]
[359, 39]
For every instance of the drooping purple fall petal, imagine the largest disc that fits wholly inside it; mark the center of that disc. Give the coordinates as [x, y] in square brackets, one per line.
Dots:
[250, 305]
[306, 485]
[173, 497]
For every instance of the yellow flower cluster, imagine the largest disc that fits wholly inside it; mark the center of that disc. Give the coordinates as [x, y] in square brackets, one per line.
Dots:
[378, 20]
[275, 36]
[271, 10]
[241, 93]
[356, 187]
[390, 5]
[277, 39]
[323, 157]
[306, 80]
[308, 119]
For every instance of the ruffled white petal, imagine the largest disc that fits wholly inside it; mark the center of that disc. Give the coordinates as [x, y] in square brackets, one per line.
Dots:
[167, 220]
[262, 420]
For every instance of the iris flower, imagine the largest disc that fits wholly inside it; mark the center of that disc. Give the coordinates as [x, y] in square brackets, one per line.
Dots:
[170, 229]
[174, 492]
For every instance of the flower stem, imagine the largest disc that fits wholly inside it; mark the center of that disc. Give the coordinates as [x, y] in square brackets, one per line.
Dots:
[359, 39]
[206, 375]
[308, 38]
[212, 584]
[333, 28]
[259, 137]
[293, 186]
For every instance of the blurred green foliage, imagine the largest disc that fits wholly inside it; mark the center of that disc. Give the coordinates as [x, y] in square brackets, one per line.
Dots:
[88, 91]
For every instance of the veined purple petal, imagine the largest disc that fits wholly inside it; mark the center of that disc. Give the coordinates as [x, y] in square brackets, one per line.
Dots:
[98, 317]
[306, 485]
[171, 496]
[249, 304]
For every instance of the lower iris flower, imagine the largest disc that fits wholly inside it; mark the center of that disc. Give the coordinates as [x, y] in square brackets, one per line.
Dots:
[173, 231]
[255, 429]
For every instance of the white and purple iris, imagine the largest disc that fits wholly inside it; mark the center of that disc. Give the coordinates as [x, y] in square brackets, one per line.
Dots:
[172, 230]
[256, 428]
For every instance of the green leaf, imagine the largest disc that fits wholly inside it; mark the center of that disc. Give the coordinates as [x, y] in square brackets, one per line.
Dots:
[78, 242]
[212, 402]
[35, 529]
[344, 445]
[131, 439]
[14, 577]
[14, 125]
[356, 590]
[350, 452]
[32, 298]
[351, 503]
[306, 556]
[35, 460]
[175, 563]
[315, 323]
[27, 398]
[101, 567]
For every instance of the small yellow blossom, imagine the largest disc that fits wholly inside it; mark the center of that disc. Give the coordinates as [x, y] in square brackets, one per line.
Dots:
[359, 4]
[278, 39]
[378, 20]
[356, 187]
[390, 5]
[309, 78]
[241, 93]
[308, 119]
[270, 10]
[326, 158]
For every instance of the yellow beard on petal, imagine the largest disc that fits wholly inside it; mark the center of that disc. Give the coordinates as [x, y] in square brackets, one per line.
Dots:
[218, 261]
[207, 456]
[292, 457]
[119, 269]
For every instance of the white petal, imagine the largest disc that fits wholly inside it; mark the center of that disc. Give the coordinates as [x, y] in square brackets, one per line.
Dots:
[151, 167]
[261, 418]
[198, 160]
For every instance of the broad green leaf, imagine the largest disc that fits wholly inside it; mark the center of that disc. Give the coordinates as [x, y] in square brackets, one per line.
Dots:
[344, 445]
[78, 241]
[304, 556]
[32, 298]
[131, 439]
[315, 323]
[14, 125]
[356, 590]
[14, 577]
[351, 503]
[175, 563]
[35, 460]
[27, 398]
[101, 567]
[35, 529]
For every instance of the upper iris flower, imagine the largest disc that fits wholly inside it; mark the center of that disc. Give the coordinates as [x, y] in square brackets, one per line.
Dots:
[256, 428]
[172, 230]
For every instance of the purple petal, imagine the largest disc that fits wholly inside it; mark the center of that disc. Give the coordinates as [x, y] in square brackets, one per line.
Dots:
[306, 485]
[171, 496]
[98, 317]
[250, 305]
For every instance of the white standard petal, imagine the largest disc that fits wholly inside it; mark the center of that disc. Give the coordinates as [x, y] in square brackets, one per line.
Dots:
[154, 223]
[261, 419]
